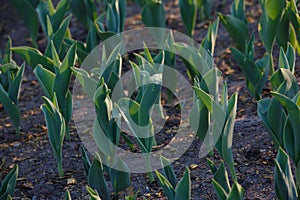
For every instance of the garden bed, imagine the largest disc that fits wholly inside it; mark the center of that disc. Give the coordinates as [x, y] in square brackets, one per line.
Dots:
[253, 149]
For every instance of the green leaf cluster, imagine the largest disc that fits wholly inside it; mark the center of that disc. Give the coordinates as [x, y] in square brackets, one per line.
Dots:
[173, 188]
[10, 83]
[221, 183]
[7, 186]
[56, 126]
[120, 179]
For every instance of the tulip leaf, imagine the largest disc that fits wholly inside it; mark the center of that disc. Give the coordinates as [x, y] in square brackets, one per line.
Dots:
[284, 184]
[272, 11]
[237, 29]
[237, 192]
[46, 80]
[153, 15]
[271, 114]
[183, 188]
[11, 108]
[188, 10]
[33, 57]
[85, 160]
[56, 129]
[238, 10]
[14, 87]
[93, 193]
[221, 177]
[8, 185]
[292, 126]
[59, 14]
[209, 42]
[168, 171]
[166, 185]
[120, 176]
[97, 180]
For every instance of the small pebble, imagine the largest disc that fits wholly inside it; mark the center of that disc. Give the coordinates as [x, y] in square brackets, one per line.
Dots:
[193, 166]
[148, 195]
[71, 181]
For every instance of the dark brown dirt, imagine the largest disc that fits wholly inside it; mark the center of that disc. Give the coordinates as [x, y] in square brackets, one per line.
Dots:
[253, 149]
